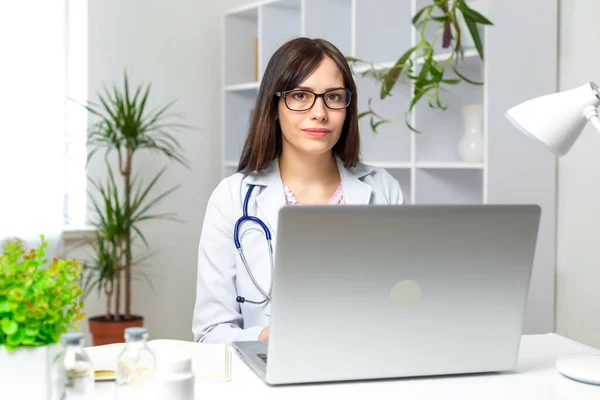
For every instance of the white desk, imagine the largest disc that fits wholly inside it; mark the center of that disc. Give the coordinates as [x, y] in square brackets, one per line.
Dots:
[534, 378]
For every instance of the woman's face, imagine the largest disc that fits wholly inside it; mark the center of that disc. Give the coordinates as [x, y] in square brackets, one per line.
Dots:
[317, 130]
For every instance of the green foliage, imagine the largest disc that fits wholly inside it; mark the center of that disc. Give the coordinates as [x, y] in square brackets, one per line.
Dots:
[419, 66]
[38, 303]
[125, 125]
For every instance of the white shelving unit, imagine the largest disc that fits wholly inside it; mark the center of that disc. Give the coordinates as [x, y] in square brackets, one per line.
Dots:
[427, 164]
[423, 163]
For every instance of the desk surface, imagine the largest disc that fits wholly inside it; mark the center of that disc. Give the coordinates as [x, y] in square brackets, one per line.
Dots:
[535, 377]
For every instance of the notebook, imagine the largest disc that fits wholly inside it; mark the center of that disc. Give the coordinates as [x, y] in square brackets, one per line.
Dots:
[210, 362]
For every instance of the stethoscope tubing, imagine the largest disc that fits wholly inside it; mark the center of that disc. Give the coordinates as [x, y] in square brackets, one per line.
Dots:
[245, 218]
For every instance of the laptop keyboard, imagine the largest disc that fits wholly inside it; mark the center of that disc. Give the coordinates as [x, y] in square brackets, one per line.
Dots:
[262, 357]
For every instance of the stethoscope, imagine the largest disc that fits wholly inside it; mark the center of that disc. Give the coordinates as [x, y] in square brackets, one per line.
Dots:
[245, 217]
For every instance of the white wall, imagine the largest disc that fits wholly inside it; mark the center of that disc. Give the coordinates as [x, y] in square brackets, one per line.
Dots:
[176, 45]
[578, 256]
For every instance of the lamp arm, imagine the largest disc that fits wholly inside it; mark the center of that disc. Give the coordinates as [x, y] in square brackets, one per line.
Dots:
[591, 114]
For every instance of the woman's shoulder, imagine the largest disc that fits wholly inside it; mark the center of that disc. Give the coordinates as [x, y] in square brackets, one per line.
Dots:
[380, 179]
[233, 184]
[226, 187]
[378, 174]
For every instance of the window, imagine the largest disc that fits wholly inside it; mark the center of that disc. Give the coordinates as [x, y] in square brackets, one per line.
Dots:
[75, 198]
[44, 62]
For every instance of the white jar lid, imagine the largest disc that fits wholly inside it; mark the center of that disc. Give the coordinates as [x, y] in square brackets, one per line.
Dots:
[177, 365]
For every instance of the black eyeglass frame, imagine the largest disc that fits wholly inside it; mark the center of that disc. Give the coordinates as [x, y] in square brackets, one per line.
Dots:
[284, 94]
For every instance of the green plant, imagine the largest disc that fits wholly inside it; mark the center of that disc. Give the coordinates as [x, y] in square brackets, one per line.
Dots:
[419, 66]
[125, 126]
[38, 303]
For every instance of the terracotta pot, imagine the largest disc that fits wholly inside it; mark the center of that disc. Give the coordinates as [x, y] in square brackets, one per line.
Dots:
[105, 331]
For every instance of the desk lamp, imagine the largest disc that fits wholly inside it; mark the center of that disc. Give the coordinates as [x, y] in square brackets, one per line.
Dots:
[556, 121]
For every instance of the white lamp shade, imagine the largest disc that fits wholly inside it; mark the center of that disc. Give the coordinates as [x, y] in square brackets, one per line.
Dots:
[556, 120]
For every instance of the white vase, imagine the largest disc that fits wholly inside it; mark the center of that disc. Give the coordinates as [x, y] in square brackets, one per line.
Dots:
[470, 146]
[32, 373]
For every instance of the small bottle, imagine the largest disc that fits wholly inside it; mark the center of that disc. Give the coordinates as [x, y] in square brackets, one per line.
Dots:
[78, 370]
[136, 366]
[175, 380]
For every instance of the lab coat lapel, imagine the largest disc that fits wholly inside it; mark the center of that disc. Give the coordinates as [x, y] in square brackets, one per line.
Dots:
[355, 190]
[269, 202]
[272, 197]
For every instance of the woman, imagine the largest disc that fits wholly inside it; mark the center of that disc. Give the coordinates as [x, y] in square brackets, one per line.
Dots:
[302, 148]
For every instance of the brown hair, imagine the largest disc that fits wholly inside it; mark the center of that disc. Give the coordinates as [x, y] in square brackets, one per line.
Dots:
[287, 68]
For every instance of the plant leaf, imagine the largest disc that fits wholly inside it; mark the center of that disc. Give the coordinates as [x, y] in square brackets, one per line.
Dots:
[461, 76]
[475, 35]
[138, 214]
[418, 15]
[9, 327]
[364, 113]
[472, 14]
[4, 306]
[451, 81]
[135, 228]
[375, 125]
[420, 93]
[409, 126]
[395, 71]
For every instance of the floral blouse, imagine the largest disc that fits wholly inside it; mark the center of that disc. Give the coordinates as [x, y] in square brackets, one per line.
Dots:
[336, 198]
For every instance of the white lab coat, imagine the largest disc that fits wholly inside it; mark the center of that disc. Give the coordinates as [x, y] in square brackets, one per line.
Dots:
[218, 318]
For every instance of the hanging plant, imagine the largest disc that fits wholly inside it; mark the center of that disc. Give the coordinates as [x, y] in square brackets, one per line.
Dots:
[419, 66]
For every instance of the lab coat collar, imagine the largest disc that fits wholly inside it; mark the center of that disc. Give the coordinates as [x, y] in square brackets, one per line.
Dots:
[272, 197]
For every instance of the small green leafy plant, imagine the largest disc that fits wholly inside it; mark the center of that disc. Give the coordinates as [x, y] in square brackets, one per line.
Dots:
[38, 303]
[419, 66]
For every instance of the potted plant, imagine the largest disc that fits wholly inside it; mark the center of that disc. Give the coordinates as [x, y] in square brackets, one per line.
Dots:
[121, 203]
[38, 303]
[420, 66]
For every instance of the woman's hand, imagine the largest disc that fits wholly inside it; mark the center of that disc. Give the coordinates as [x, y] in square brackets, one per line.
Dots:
[264, 334]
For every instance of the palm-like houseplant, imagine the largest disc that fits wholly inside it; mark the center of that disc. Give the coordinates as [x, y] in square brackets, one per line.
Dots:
[419, 66]
[125, 127]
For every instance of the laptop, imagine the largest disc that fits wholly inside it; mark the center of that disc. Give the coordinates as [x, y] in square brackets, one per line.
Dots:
[375, 292]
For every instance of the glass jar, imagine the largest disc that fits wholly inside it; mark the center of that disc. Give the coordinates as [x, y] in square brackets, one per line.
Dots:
[136, 366]
[78, 371]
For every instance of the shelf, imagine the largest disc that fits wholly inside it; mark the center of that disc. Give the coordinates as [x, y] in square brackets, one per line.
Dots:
[247, 10]
[241, 36]
[469, 55]
[449, 165]
[445, 186]
[390, 164]
[470, 60]
[241, 87]
[250, 10]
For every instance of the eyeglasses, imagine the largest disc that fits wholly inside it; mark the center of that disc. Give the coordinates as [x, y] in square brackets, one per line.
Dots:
[302, 100]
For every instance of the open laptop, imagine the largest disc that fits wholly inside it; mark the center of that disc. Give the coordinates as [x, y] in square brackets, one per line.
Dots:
[371, 292]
